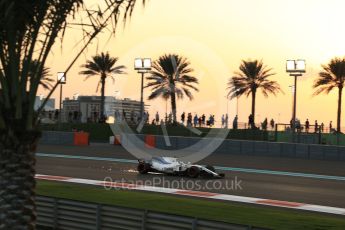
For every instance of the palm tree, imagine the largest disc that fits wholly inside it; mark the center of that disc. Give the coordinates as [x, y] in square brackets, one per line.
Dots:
[24, 37]
[253, 75]
[103, 66]
[332, 76]
[46, 81]
[171, 77]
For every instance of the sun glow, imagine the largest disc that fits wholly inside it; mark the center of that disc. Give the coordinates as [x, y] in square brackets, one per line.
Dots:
[231, 30]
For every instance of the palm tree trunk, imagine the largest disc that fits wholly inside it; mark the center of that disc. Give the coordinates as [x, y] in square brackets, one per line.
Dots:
[339, 109]
[17, 179]
[253, 106]
[173, 106]
[102, 117]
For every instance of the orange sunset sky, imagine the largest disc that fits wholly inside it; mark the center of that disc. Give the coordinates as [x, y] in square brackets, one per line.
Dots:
[215, 36]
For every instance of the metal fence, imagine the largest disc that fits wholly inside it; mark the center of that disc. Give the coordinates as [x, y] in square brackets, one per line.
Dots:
[56, 213]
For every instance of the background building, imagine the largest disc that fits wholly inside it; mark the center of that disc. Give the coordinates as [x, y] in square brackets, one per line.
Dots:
[49, 114]
[49, 106]
[87, 108]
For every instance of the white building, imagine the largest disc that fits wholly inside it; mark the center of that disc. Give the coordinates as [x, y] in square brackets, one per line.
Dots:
[87, 108]
[49, 106]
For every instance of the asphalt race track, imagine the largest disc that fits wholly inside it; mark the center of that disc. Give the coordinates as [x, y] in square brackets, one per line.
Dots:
[328, 192]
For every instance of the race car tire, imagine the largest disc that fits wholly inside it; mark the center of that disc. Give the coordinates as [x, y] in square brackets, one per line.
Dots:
[143, 168]
[211, 168]
[193, 172]
[205, 174]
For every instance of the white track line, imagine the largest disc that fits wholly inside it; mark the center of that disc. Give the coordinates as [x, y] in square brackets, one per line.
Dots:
[216, 196]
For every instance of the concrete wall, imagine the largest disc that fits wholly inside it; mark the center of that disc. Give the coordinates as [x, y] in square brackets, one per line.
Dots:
[57, 138]
[261, 148]
[236, 147]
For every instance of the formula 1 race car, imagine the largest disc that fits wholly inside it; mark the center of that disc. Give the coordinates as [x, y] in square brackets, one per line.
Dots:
[172, 166]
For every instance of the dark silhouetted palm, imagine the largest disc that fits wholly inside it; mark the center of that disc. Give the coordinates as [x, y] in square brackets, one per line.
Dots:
[28, 30]
[171, 77]
[253, 75]
[332, 76]
[103, 66]
[46, 81]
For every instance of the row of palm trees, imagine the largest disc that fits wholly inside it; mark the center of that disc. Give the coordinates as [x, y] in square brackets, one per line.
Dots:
[171, 79]
[253, 75]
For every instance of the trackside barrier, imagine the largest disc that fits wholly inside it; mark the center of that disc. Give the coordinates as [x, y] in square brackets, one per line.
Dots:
[253, 148]
[235, 147]
[150, 141]
[111, 140]
[81, 138]
[115, 140]
[64, 138]
[57, 138]
[56, 213]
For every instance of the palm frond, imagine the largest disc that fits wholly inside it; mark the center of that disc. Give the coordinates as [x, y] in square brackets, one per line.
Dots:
[44, 75]
[102, 65]
[252, 75]
[161, 91]
[332, 76]
[171, 74]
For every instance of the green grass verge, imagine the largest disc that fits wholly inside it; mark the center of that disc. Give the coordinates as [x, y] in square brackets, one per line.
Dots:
[268, 217]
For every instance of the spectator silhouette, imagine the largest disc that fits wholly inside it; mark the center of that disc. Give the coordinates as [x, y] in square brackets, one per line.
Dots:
[226, 120]
[235, 123]
[212, 120]
[196, 120]
[183, 116]
[251, 121]
[316, 126]
[298, 125]
[189, 119]
[272, 124]
[307, 125]
[203, 118]
[200, 121]
[264, 124]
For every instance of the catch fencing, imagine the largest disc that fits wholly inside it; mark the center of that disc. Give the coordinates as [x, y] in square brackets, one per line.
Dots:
[56, 213]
